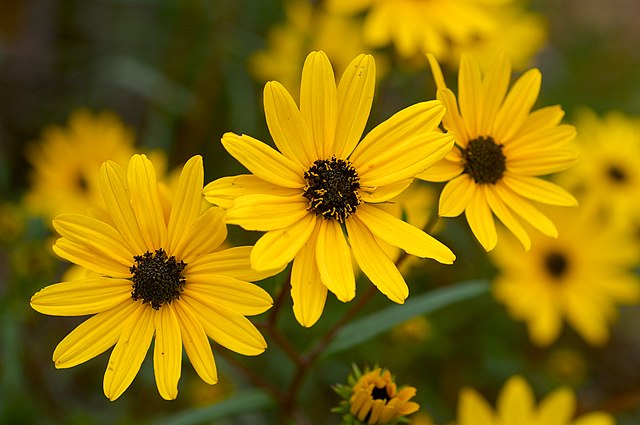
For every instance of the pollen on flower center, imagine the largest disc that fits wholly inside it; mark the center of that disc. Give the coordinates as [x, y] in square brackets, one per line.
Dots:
[556, 264]
[332, 188]
[157, 278]
[484, 160]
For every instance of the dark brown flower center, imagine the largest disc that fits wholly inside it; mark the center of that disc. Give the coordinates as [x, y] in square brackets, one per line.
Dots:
[556, 264]
[157, 278]
[616, 174]
[380, 394]
[332, 188]
[484, 160]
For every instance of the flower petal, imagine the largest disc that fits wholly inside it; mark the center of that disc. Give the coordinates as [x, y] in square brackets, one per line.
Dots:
[276, 249]
[452, 120]
[557, 408]
[539, 190]
[266, 163]
[196, 343]
[167, 352]
[93, 336]
[224, 191]
[534, 141]
[506, 217]
[334, 261]
[517, 105]
[595, 418]
[233, 262]
[375, 263]
[141, 181]
[405, 160]
[308, 292]
[470, 94]
[205, 234]
[494, 88]
[403, 235]
[290, 133]
[267, 212]
[118, 202]
[441, 171]
[456, 195]
[81, 297]
[226, 327]
[355, 96]
[481, 221]
[385, 193]
[526, 210]
[515, 403]
[318, 102]
[436, 71]
[187, 202]
[128, 354]
[473, 409]
[93, 260]
[542, 162]
[233, 294]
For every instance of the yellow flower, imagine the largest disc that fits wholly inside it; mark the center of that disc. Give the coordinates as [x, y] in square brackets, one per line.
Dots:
[501, 146]
[65, 163]
[581, 276]
[159, 275]
[375, 399]
[516, 405]
[322, 189]
[609, 169]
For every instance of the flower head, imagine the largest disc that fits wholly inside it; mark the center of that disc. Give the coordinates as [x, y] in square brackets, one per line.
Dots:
[501, 148]
[317, 198]
[580, 277]
[158, 275]
[516, 405]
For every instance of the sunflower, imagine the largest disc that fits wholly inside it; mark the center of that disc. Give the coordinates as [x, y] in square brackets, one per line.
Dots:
[317, 197]
[159, 276]
[516, 405]
[581, 276]
[501, 148]
[609, 169]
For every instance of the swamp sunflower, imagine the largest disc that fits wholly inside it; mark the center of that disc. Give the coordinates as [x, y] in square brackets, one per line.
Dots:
[501, 149]
[159, 275]
[317, 197]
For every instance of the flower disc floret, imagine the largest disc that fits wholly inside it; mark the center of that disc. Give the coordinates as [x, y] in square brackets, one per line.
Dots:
[556, 264]
[484, 160]
[157, 278]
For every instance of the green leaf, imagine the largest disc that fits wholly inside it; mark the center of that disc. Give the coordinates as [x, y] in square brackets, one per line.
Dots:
[370, 326]
[242, 402]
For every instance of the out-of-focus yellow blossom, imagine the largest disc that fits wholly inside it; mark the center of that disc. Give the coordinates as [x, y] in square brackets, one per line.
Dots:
[580, 277]
[445, 27]
[568, 365]
[414, 330]
[608, 173]
[516, 406]
[308, 27]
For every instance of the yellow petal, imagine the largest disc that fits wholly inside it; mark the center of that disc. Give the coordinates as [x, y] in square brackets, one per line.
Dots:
[405, 159]
[196, 344]
[318, 102]
[494, 88]
[586, 317]
[456, 195]
[81, 297]
[233, 262]
[290, 133]
[167, 352]
[557, 408]
[543, 118]
[93, 336]
[526, 210]
[308, 292]
[95, 236]
[385, 193]
[141, 180]
[525, 144]
[452, 120]
[441, 171]
[481, 221]
[420, 118]
[224, 191]
[515, 403]
[403, 235]
[187, 201]
[506, 217]
[93, 260]
[539, 190]
[233, 294]
[267, 212]
[436, 71]
[544, 321]
[542, 162]
[470, 94]
[355, 96]
[205, 234]
[129, 352]
[266, 163]
[228, 328]
[375, 263]
[275, 249]
[595, 418]
[473, 409]
[118, 202]
[517, 105]
[334, 261]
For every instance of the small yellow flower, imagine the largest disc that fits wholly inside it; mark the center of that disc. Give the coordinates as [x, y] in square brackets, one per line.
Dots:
[153, 275]
[501, 148]
[516, 405]
[318, 197]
